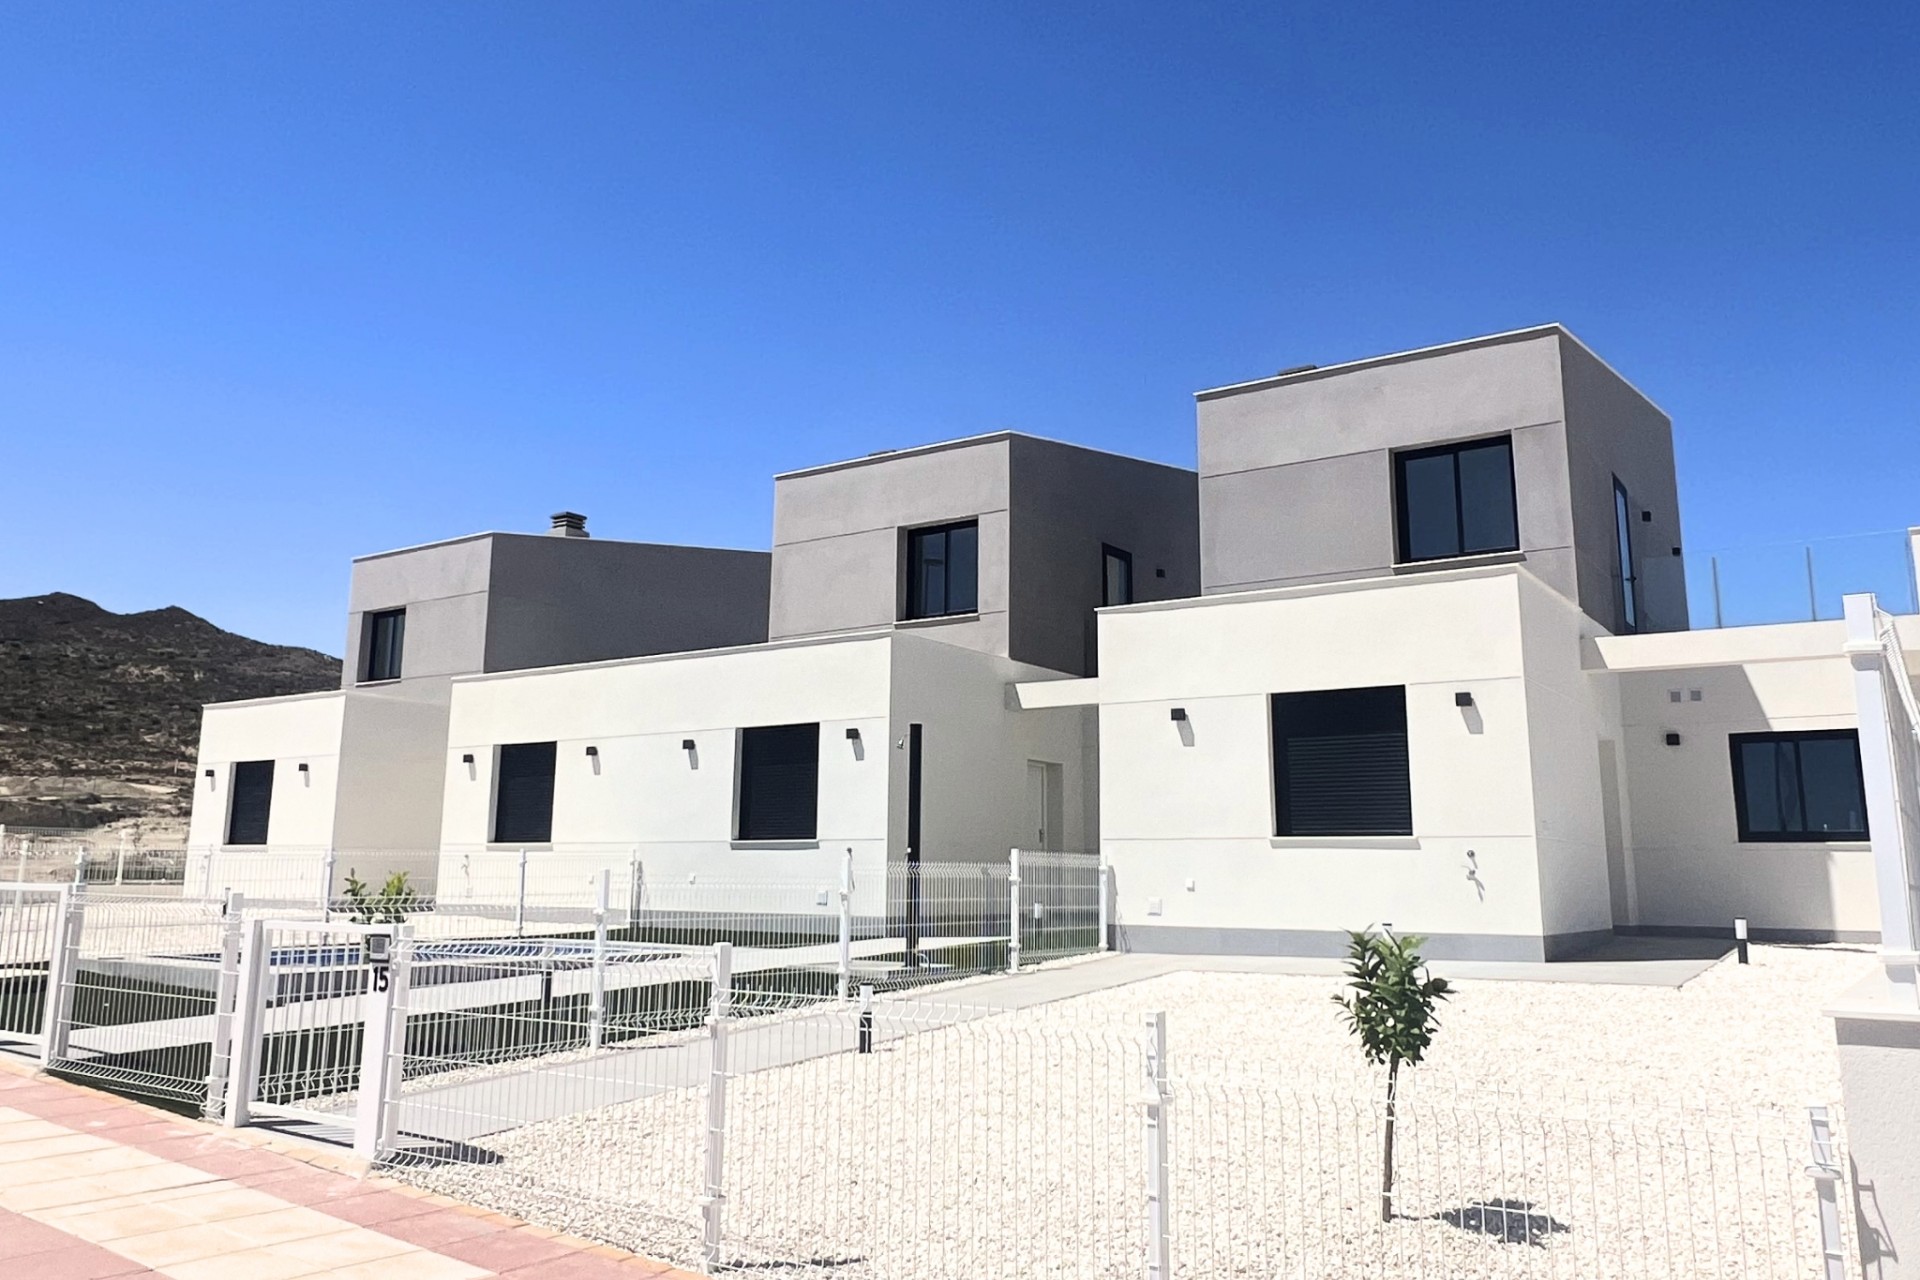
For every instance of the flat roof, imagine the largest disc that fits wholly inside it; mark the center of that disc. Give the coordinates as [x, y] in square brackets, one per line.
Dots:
[1554, 328]
[968, 442]
[514, 533]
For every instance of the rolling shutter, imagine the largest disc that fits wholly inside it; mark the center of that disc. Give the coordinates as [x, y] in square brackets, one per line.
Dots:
[523, 804]
[252, 802]
[1340, 763]
[780, 782]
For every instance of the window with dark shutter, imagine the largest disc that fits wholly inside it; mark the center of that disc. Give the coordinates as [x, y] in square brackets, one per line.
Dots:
[943, 570]
[386, 636]
[1796, 787]
[1340, 763]
[1456, 500]
[251, 804]
[523, 797]
[780, 782]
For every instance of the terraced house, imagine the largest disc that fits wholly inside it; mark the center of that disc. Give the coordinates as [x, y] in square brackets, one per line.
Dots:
[1415, 644]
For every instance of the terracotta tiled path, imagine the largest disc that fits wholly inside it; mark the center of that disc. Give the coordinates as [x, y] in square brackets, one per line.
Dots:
[93, 1187]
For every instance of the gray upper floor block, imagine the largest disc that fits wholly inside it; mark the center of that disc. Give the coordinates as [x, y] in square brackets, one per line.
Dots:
[510, 601]
[1297, 475]
[1045, 512]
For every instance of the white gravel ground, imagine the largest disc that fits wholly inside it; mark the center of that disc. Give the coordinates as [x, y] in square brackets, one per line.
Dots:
[1558, 1129]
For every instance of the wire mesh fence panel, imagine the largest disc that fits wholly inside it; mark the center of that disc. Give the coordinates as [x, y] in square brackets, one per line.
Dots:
[1059, 904]
[1286, 1177]
[30, 919]
[138, 1011]
[943, 920]
[518, 1060]
[313, 990]
[967, 1142]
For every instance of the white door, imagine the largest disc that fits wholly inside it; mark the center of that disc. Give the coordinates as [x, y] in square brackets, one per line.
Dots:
[1042, 803]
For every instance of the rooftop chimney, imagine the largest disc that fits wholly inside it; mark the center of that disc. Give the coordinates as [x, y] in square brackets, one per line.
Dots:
[569, 524]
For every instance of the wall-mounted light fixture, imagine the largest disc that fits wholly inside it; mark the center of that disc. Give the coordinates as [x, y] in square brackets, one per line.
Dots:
[593, 752]
[1673, 739]
[1179, 715]
[686, 744]
[302, 766]
[1462, 698]
[1646, 517]
[467, 759]
[209, 776]
[853, 735]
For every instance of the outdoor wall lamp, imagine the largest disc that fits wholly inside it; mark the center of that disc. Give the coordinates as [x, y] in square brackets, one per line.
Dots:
[593, 752]
[1179, 715]
[466, 759]
[853, 735]
[209, 777]
[1462, 698]
[302, 766]
[1673, 739]
[686, 744]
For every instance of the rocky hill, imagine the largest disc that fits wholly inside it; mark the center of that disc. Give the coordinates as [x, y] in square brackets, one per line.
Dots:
[100, 711]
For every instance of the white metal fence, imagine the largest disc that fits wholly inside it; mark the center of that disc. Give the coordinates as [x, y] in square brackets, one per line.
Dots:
[900, 1136]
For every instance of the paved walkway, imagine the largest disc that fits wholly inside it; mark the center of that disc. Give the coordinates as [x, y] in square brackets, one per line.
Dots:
[92, 1187]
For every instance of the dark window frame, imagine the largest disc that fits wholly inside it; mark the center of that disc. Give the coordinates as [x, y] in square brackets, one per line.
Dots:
[376, 666]
[1403, 526]
[745, 817]
[1735, 741]
[1285, 821]
[1109, 552]
[530, 835]
[233, 800]
[1628, 579]
[914, 606]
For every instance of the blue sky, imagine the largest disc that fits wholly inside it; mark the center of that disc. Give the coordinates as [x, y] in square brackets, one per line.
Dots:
[281, 284]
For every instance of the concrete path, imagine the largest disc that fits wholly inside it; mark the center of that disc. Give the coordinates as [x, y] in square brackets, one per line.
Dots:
[92, 1187]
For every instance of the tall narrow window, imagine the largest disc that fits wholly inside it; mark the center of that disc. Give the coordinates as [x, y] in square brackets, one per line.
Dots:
[1803, 786]
[779, 782]
[1623, 546]
[943, 570]
[386, 634]
[1116, 582]
[1340, 763]
[250, 806]
[523, 794]
[1456, 500]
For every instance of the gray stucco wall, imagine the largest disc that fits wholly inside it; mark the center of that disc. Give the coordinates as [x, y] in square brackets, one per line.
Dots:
[1067, 504]
[1296, 474]
[560, 600]
[1613, 430]
[443, 588]
[838, 539]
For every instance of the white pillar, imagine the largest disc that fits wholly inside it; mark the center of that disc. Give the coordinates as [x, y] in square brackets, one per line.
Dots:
[713, 1196]
[846, 922]
[225, 997]
[243, 1050]
[377, 1034]
[1013, 917]
[63, 970]
[1159, 1095]
[597, 999]
[1106, 907]
[1893, 866]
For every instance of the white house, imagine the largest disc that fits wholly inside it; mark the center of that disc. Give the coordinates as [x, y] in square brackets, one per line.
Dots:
[1412, 646]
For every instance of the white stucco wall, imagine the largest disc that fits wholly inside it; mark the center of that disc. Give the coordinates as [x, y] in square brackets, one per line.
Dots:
[976, 747]
[288, 731]
[1178, 813]
[1691, 869]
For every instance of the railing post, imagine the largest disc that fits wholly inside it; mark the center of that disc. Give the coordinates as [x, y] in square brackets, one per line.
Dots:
[63, 971]
[326, 885]
[80, 865]
[1813, 596]
[520, 899]
[1719, 619]
[1894, 873]
[636, 882]
[1013, 918]
[243, 1050]
[846, 922]
[1159, 1098]
[713, 1197]
[226, 992]
[865, 1024]
[120, 862]
[597, 998]
[376, 1038]
[1825, 1172]
[1106, 907]
[396, 1040]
